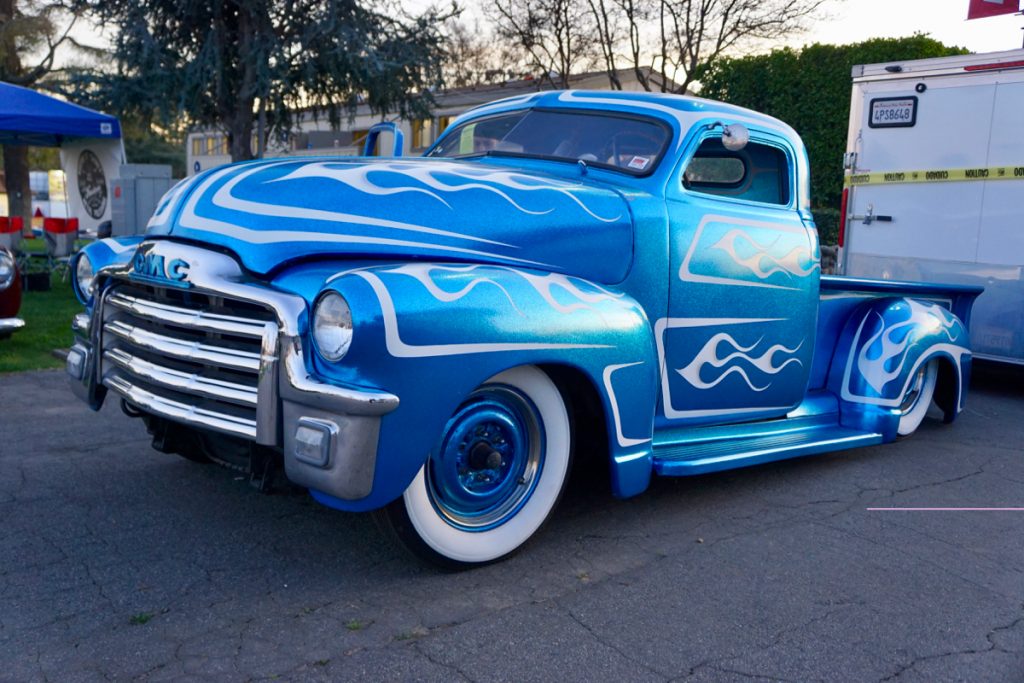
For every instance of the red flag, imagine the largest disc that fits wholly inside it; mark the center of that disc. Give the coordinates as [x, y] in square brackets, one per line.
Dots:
[979, 9]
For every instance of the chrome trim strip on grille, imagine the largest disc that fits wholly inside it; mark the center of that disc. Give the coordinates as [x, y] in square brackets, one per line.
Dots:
[268, 411]
[185, 317]
[185, 382]
[185, 350]
[175, 410]
[220, 275]
[277, 369]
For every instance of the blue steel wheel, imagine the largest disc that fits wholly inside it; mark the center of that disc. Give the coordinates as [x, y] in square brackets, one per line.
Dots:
[494, 477]
[489, 459]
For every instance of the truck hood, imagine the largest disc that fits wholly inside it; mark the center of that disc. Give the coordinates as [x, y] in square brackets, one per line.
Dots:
[274, 211]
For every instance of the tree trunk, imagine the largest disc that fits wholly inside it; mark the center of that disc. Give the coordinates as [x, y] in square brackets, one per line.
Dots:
[19, 192]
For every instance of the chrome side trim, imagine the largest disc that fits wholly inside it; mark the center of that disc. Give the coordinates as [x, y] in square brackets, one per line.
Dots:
[181, 412]
[80, 324]
[177, 380]
[9, 325]
[192, 351]
[184, 317]
[298, 386]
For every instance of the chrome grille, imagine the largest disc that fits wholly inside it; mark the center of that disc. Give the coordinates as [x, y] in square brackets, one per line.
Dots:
[191, 357]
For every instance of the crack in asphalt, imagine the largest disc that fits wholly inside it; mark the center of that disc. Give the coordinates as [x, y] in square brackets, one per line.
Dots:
[775, 640]
[444, 665]
[611, 645]
[992, 647]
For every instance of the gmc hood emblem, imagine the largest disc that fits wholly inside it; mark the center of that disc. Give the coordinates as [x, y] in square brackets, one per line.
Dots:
[156, 268]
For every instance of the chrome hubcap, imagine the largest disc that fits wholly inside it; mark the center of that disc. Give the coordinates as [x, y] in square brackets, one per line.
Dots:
[910, 400]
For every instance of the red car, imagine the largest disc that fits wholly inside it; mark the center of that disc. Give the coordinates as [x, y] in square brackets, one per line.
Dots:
[10, 294]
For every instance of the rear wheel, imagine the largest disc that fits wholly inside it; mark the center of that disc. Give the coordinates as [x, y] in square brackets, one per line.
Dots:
[494, 477]
[918, 398]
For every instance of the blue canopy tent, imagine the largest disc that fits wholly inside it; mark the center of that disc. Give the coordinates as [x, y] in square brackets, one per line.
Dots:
[31, 118]
[91, 148]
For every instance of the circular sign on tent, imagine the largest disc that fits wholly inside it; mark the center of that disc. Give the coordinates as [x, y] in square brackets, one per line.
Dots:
[92, 184]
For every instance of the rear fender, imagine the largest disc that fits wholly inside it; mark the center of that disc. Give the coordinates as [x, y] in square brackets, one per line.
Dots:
[432, 333]
[882, 346]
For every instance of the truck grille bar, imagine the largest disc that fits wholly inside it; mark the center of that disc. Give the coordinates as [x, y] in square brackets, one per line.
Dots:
[200, 358]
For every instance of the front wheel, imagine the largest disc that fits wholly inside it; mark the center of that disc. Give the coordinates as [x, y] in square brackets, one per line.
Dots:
[494, 477]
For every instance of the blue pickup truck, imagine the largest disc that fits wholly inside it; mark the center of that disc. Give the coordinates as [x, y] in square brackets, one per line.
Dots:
[629, 277]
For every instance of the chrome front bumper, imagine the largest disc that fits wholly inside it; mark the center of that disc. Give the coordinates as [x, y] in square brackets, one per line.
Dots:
[9, 325]
[271, 409]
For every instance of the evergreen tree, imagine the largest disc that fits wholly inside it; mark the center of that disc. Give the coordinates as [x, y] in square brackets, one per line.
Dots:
[248, 66]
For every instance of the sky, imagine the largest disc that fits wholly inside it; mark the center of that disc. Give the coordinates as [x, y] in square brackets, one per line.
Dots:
[851, 21]
[945, 20]
[844, 21]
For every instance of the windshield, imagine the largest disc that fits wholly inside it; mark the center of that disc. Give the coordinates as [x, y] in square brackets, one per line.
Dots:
[624, 143]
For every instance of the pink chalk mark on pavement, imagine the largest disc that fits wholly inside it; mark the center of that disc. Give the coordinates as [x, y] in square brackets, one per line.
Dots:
[945, 509]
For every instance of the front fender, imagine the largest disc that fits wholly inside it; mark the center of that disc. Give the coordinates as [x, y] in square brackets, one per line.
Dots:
[882, 346]
[431, 333]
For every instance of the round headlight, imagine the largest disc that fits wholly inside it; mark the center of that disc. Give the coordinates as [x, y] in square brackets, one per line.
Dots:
[84, 277]
[332, 326]
[6, 269]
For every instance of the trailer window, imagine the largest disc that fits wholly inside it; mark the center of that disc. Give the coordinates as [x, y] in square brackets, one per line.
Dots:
[757, 173]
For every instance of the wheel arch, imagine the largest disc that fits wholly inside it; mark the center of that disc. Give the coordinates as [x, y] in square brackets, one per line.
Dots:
[883, 343]
[432, 333]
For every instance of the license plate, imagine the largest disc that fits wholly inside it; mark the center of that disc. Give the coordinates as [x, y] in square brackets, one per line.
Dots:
[893, 112]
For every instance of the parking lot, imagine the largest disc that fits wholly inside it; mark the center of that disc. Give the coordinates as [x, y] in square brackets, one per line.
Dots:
[119, 562]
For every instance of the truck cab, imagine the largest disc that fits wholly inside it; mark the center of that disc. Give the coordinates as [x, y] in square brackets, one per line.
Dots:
[434, 339]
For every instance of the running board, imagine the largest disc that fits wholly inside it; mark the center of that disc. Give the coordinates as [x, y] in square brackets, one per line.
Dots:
[715, 454]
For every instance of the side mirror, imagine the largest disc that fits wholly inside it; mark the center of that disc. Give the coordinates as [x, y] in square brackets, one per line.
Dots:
[735, 136]
[375, 131]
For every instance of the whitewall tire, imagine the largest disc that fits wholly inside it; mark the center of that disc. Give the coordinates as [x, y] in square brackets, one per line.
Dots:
[494, 477]
[918, 397]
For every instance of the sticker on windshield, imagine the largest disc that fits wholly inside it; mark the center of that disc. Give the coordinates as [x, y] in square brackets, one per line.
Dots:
[639, 163]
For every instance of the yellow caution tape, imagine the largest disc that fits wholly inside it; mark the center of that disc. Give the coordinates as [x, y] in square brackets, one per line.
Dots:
[943, 175]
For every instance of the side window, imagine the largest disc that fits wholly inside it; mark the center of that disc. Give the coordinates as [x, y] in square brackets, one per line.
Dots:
[757, 173]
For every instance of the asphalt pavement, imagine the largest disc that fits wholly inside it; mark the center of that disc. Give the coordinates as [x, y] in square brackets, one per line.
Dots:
[121, 563]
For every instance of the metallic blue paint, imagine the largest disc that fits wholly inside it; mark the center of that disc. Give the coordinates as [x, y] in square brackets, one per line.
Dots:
[280, 210]
[701, 323]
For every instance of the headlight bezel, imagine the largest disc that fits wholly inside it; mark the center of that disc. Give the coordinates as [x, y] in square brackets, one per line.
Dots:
[83, 290]
[339, 323]
[7, 261]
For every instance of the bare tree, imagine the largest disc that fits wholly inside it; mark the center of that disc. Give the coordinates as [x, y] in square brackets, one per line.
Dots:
[608, 17]
[473, 57]
[555, 36]
[665, 43]
[694, 33]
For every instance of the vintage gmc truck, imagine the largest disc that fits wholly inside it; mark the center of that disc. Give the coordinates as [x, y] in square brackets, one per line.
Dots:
[625, 276]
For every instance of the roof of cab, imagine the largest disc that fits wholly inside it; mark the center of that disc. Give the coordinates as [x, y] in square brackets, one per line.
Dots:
[679, 110]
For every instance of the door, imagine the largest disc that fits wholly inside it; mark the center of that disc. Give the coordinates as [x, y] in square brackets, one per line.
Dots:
[739, 337]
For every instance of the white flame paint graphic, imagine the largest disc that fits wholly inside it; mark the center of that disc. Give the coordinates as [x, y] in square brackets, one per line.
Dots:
[790, 263]
[422, 273]
[708, 356]
[433, 175]
[544, 285]
[872, 361]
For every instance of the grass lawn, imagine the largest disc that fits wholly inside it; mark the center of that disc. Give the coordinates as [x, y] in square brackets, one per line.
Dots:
[47, 317]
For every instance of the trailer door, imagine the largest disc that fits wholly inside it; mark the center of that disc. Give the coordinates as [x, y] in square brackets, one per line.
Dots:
[959, 231]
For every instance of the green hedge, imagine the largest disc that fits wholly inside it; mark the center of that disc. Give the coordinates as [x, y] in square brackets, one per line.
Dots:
[827, 221]
[810, 90]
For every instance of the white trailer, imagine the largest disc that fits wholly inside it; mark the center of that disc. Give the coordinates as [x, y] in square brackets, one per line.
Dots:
[934, 185]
